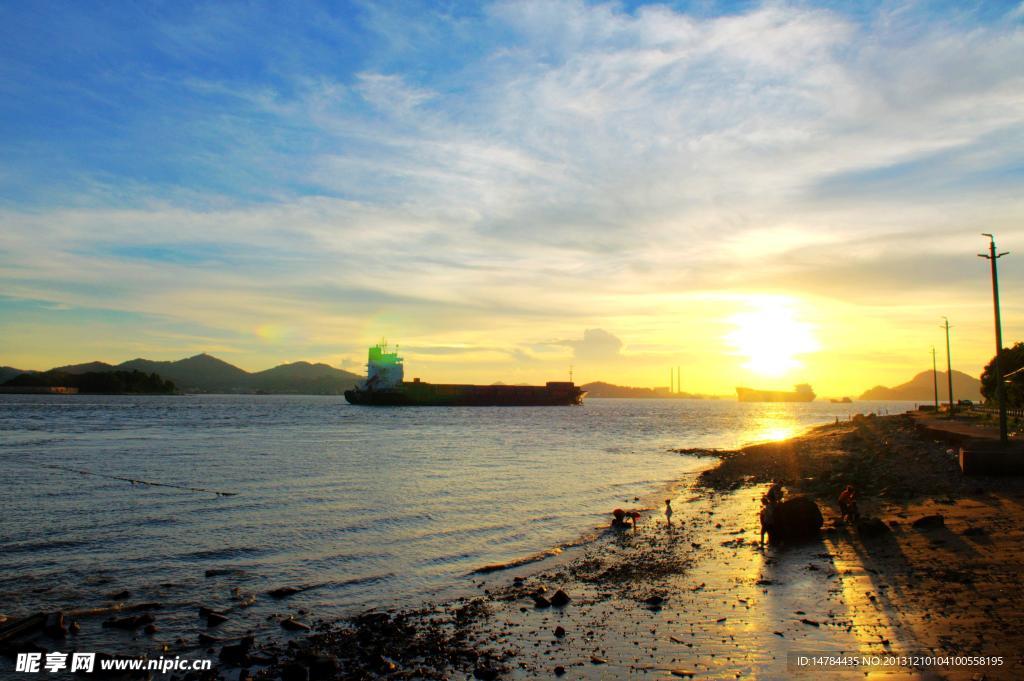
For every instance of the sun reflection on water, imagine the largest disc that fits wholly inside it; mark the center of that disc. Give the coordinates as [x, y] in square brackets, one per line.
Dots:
[771, 432]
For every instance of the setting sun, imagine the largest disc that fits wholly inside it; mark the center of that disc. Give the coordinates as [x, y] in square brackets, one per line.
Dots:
[770, 337]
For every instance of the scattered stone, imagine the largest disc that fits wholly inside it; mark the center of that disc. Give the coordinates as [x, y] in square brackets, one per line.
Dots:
[323, 667]
[598, 660]
[237, 655]
[655, 601]
[128, 623]
[560, 599]
[119, 595]
[559, 670]
[974, 532]
[151, 629]
[292, 624]
[810, 623]
[284, 592]
[294, 672]
[54, 626]
[485, 673]
[206, 639]
[216, 618]
[559, 631]
[872, 527]
[929, 522]
[541, 602]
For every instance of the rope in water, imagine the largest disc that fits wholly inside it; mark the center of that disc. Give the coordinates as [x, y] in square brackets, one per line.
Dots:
[135, 481]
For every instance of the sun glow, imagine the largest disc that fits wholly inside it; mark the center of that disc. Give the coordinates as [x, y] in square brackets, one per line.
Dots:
[771, 337]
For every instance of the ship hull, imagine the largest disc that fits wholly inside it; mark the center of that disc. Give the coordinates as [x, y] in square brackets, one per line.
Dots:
[418, 394]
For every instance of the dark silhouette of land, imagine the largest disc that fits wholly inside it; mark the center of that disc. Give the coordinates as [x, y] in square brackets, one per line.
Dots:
[602, 389]
[96, 382]
[204, 373]
[921, 387]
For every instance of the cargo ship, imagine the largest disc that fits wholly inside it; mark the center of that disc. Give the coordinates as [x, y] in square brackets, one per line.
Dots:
[385, 385]
[801, 393]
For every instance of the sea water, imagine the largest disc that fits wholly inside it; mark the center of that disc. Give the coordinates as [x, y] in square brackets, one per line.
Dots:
[369, 507]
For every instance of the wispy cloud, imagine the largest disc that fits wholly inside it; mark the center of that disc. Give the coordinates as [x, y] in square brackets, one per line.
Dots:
[519, 171]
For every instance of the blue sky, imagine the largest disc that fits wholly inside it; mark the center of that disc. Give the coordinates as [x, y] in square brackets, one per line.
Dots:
[486, 182]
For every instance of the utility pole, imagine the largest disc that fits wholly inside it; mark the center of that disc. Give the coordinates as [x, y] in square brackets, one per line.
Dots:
[992, 256]
[949, 370]
[935, 381]
[570, 373]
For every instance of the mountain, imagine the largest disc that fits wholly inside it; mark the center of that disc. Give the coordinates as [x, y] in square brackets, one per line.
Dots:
[201, 373]
[7, 373]
[204, 373]
[305, 378]
[84, 368]
[921, 388]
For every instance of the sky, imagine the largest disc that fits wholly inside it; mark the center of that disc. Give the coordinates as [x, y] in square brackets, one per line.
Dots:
[759, 194]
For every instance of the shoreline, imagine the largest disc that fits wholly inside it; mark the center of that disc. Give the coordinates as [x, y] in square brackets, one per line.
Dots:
[706, 601]
[702, 599]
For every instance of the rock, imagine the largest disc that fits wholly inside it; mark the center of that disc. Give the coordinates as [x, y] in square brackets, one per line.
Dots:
[560, 599]
[283, 592]
[541, 602]
[559, 631]
[485, 673]
[559, 670]
[128, 623]
[74, 627]
[215, 618]
[292, 624]
[797, 518]
[929, 522]
[151, 629]
[206, 639]
[54, 626]
[237, 655]
[872, 527]
[119, 595]
[974, 532]
[294, 672]
[323, 667]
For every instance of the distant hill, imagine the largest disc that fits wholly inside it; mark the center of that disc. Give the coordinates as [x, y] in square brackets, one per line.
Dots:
[303, 377]
[921, 388]
[201, 373]
[204, 373]
[84, 368]
[7, 373]
[602, 389]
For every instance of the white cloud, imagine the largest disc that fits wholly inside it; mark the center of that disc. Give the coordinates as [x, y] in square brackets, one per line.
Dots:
[598, 154]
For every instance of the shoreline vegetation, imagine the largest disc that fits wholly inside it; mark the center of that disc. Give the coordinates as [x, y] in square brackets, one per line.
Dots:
[932, 569]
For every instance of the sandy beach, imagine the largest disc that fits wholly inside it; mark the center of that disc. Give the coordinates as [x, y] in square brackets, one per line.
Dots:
[703, 599]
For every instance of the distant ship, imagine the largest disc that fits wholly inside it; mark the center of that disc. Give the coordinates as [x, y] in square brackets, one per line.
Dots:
[385, 385]
[802, 393]
[845, 400]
